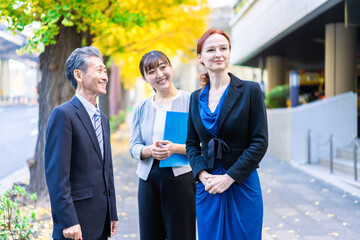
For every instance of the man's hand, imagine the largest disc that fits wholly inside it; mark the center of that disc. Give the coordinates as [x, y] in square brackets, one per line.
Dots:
[73, 232]
[113, 228]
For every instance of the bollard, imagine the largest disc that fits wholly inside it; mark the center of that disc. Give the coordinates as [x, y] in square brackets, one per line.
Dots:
[355, 160]
[331, 154]
[309, 147]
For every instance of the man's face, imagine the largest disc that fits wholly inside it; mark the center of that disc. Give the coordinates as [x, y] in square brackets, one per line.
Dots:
[95, 78]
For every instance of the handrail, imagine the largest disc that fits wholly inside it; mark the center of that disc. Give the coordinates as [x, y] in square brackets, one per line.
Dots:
[331, 141]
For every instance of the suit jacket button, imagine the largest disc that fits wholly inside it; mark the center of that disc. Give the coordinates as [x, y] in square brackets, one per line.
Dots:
[105, 193]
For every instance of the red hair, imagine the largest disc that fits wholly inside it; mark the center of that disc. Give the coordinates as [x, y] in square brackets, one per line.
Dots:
[204, 78]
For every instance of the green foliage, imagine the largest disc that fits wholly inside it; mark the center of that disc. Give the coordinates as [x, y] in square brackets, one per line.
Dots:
[97, 17]
[14, 223]
[46, 17]
[116, 120]
[121, 29]
[277, 97]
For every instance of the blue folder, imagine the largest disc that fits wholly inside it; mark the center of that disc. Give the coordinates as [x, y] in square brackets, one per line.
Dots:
[175, 131]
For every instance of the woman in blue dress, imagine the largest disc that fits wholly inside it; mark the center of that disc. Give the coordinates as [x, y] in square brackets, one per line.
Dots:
[227, 138]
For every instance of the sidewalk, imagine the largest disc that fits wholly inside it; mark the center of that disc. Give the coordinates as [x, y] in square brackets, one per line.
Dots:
[126, 185]
[126, 182]
[297, 205]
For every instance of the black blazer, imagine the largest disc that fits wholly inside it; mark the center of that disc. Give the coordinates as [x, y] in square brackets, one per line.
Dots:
[81, 185]
[242, 127]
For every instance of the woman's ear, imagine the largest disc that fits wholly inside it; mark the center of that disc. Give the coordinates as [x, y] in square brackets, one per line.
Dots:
[200, 59]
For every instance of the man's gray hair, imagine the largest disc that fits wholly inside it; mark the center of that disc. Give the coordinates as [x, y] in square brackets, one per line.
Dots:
[79, 59]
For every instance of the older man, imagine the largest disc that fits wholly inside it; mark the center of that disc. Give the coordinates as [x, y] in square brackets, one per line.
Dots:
[78, 162]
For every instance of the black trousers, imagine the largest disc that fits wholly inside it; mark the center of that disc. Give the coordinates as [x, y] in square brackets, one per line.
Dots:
[167, 205]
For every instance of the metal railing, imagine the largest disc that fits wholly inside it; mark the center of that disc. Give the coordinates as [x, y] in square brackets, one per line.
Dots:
[354, 143]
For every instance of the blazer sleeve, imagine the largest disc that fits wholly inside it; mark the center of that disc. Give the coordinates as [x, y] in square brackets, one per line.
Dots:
[113, 210]
[57, 169]
[249, 160]
[193, 149]
[136, 141]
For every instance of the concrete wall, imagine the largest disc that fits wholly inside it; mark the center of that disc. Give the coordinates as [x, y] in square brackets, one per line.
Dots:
[185, 75]
[279, 133]
[288, 128]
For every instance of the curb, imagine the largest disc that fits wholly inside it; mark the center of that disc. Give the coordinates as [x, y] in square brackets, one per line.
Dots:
[336, 179]
[21, 175]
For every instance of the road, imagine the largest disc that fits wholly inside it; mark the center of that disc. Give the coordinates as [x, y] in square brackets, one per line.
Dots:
[18, 134]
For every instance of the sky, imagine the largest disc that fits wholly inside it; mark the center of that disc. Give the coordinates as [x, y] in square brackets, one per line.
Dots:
[220, 3]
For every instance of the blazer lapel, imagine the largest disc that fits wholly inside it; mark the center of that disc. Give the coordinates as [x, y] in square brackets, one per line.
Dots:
[85, 119]
[234, 93]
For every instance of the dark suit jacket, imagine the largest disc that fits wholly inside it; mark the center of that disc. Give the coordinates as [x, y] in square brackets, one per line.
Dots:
[242, 125]
[81, 186]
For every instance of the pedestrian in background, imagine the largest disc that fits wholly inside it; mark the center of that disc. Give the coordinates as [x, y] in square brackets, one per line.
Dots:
[166, 195]
[78, 161]
[227, 138]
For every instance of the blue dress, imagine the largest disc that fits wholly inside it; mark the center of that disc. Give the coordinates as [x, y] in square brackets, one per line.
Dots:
[237, 213]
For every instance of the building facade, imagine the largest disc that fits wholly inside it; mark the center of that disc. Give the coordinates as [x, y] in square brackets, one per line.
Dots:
[318, 40]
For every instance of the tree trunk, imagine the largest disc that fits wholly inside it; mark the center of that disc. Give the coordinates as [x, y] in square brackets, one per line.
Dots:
[124, 98]
[54, 89]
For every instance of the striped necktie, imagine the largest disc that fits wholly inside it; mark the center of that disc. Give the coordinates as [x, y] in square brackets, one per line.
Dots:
[98, 131]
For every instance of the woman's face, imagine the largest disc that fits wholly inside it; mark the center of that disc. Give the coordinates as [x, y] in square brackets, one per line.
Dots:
[215, 54]
[160, 78]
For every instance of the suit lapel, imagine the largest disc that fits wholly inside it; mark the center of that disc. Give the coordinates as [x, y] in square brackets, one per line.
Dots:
[105, 137]
[234, 93]
[85, 119]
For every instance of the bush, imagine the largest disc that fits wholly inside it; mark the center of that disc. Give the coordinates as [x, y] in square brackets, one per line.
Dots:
[276, 97]
[14, 223]
[116, 120]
